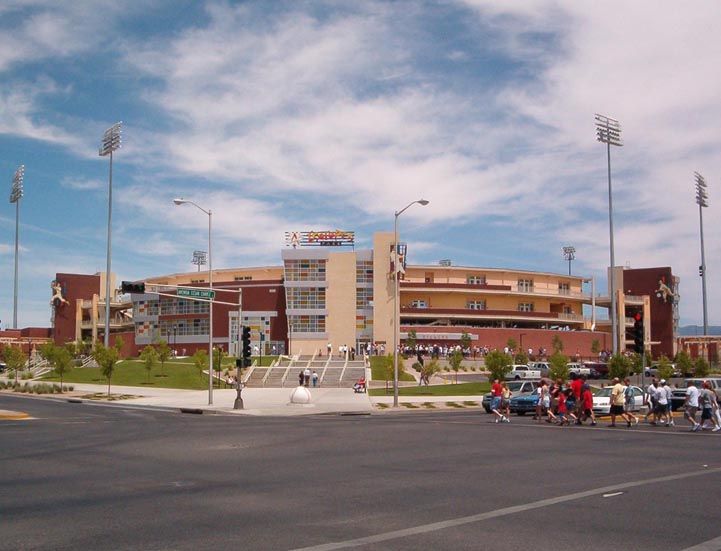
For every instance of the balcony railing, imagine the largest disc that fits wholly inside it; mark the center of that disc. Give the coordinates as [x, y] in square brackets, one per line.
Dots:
[435, 286]
[485, 314]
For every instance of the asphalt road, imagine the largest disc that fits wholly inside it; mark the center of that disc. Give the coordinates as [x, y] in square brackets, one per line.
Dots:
[82, 476]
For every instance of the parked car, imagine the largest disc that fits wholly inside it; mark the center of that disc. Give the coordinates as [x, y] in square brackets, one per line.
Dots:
[516, 388]
[598, 369]
[679, 393]
[523, 372]
[653, 371]
[524, 403]
[3, 367]
[543, 367]
[579, 369]
[602, 400]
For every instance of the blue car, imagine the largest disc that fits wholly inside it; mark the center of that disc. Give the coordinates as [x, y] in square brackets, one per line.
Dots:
[524, 403]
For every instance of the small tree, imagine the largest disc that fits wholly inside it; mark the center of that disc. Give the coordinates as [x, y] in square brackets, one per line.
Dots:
[558, 368]
[218, 355]
[72, 348]
[62, 361]
[119, 344]
[164, 354]
[200, 361]
[684, 363]
[47, 351]
[455, 360]
[511, 344]
[412, 339]
[618, 366]
[595, 346]
[521, 358]
[498, 365]
[149, 357]
[106, 358]
[429, 369]
[701, 367]
[665, 369]
[635, 361]
[465, 340]
[15, 359]
[557, 344]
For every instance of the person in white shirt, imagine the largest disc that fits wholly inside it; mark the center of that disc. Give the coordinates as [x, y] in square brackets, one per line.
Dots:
[669, 395]
[691, 406]
[662, 403]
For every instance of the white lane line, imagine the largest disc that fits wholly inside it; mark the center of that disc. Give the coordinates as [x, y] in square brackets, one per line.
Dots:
[710, 545]
[614, 494]
[450, 523]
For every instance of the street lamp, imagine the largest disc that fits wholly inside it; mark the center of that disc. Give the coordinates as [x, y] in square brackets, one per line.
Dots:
[569, 253]
[16, 194]
[199, 258]
[702, 202]
[209, 212]
[396, 313]
[608, 131]
[111, 142]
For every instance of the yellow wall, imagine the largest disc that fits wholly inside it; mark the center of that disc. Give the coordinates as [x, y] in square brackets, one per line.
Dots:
[341, 299]
[308, 347]
[382, 289]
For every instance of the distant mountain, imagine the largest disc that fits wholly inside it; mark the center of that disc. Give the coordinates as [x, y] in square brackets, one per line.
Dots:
[695, 330]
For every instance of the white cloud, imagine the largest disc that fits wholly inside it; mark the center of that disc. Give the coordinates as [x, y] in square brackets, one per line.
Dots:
[82, 184]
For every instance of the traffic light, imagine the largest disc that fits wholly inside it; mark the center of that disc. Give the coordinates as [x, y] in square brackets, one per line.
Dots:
[700, 270]
[245, 339]
[132, 287]
[638, 337]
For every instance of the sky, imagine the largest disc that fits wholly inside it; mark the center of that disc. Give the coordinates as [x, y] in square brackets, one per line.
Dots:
[305, 115]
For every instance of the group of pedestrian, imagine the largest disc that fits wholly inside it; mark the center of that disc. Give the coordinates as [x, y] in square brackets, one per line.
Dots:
[564, 404]
[703, 399]
[305, 377]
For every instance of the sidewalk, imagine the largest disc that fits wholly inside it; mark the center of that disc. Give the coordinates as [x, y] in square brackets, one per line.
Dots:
[256, 401]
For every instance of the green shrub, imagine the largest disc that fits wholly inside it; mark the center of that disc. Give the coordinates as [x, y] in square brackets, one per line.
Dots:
[619, 366]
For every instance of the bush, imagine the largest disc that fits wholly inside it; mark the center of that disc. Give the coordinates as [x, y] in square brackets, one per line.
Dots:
[619, 366]
[498, 365]
[684, 363]
[558, 366]
[701, 367]
[665, 369]
[417, 367]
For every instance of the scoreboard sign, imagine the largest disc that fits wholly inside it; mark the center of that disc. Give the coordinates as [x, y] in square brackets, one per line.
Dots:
[330, 238]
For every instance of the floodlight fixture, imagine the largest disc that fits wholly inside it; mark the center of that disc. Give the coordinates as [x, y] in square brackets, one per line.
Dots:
[16, 193]
[608, 130]
[702, 202]
[112, 139]
[569, 253]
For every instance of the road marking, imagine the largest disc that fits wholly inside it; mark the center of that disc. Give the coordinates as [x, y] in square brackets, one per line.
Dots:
[614, 494]
[710, 545]
[450, 523]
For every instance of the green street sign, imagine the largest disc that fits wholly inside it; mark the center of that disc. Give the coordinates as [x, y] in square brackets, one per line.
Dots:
[195, 293]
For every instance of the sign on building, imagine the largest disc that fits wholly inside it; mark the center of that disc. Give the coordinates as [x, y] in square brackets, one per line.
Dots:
[330, 238]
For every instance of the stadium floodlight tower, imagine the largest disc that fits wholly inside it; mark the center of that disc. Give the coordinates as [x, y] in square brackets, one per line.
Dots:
[396, 291]
[111, 142]
[199, 258]
[608, 131]
[702, 202]
[569, 253]
[16, 193]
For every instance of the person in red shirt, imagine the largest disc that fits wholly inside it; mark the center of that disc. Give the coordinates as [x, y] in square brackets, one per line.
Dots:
[496, 396]
[576, 387]
[587, 406]
[561, 409]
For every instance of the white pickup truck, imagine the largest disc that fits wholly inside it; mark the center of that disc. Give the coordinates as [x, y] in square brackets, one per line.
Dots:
[579, 369]
[523, 372]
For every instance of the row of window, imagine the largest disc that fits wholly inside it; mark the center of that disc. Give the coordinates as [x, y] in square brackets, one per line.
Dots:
[170, 329]
[363, 298]
[481, 305]
[307, 324]
[181, 306]
[524, 285]
[305, 297]
[364, 271]
[305, 270]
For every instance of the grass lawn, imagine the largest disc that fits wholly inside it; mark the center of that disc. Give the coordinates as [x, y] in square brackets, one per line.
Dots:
[378, 367]
[461, 389]
[179, 373]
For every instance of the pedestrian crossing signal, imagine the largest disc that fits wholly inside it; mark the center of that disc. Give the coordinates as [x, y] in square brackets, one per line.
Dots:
[638, 335]
[245, 343]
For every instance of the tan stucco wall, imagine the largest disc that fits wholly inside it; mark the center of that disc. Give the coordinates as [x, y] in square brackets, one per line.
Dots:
[341, 299]
[541, 282]
[307, 347]
[382, 289]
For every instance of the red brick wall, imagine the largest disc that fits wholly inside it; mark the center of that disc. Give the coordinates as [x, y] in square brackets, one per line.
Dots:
[75, 286]
[573, 341]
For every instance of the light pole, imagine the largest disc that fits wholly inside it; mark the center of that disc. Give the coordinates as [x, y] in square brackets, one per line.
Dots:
[16, 194]
[569, 253]
[209, 212]
[608, 131]
[199, 258]
[702, 202]
[111, 142]
[396, 313]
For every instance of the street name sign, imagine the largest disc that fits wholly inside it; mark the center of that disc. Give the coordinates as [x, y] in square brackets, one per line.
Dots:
[196, 293]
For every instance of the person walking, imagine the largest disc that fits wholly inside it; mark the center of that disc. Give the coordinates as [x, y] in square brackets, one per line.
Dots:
[314, 377]
[709, 405]
[506, 401]
[300, 378]
[691, 406]
[587, 406]
[628, 400]
[617, 402]
[561, 407]
[306, 376]
[669, 402]
[496, 398]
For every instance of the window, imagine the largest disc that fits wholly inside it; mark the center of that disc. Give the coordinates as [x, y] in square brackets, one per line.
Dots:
[305, 270]
[476, 305]
[564, 289]
[242, 278]
[307, 324]
[418, 303]
[197, 281]
[567, 310]
[476, 280]
[306, 297]
[525, 285]
[364, 271]
[171, 306]
[168, 330]
[525, 307]
[363, 298]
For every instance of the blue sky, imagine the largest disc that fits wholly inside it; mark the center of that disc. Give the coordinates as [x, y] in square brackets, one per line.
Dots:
[320, 115]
